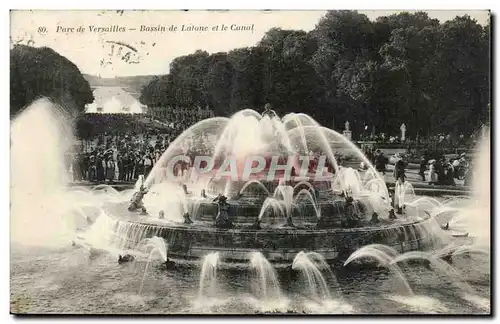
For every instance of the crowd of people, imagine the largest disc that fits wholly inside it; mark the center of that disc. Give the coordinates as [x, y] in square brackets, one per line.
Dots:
[440, 171]
[122, 151]
[445, 171]
[377, 158]
[110, 163]
[440, 140]
[124, 157]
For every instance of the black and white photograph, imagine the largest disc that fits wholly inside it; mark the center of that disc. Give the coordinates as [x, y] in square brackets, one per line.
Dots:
[250, 162]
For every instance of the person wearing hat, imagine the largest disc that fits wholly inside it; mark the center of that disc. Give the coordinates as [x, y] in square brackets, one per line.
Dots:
[138, 165]
[423, 167]
[459, 166]
[468, 175]
[92, 169]
[449, 178]
[440, 170]
[120, 162]
[399, 169]
[380, 162]
[148, 164]
[99, 162]
[110, 168]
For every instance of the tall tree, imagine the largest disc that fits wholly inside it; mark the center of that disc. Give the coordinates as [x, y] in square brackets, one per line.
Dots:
[187, 75]
[41, 72]
[217, 84]
[403, 68]
[465, 78]
[247, 83]
[345, 43]
[410, 60]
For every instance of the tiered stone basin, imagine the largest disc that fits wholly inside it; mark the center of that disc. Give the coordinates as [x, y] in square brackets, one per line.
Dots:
[279, 245]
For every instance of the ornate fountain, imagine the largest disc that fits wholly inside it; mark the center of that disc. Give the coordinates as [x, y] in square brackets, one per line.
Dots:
[304, 217]
[272, 186]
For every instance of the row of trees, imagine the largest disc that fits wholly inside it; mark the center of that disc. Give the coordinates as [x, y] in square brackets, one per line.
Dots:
[407, 67]
[42, 72]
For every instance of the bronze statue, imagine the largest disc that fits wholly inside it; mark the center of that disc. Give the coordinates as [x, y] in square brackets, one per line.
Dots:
[125, 258]
[187, 219]
[350, 219]
[222, 219]
[392, 214]
[374, 219]
[136, 200]
[289, 221]
[268, 111]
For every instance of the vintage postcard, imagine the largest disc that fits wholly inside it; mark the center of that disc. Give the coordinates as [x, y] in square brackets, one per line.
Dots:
[250, 162]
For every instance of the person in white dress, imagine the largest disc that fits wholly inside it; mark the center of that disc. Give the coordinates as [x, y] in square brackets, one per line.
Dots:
[432, 172]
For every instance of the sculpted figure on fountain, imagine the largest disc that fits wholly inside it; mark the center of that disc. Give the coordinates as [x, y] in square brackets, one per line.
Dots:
[374, 219]
[289, 222]
[125, 258]
[136, 201]
[268, 111]
[187, 219]
[222, 219]
[351, 218]
[392, 214]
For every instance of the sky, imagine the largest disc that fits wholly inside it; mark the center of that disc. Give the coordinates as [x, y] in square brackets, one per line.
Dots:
[96, 52]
